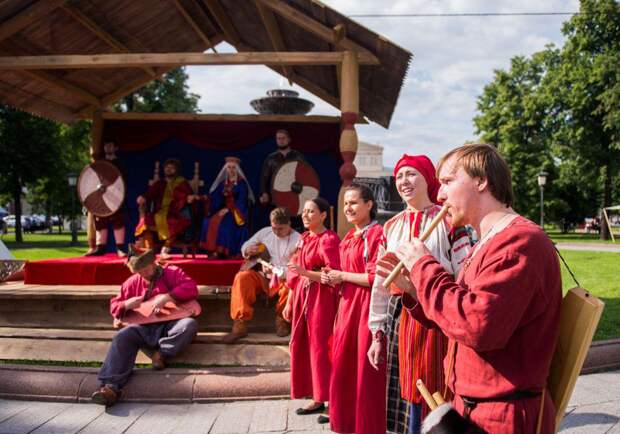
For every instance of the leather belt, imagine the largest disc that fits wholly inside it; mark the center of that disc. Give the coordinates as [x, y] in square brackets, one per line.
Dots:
[470, 403]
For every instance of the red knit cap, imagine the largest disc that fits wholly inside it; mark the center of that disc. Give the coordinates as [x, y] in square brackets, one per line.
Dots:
[425, 166]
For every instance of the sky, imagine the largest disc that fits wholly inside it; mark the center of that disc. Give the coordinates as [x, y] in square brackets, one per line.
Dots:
[453, 59]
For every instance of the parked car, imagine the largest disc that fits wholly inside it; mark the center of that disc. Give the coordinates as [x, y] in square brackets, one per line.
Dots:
[27, 223]
[9, 221]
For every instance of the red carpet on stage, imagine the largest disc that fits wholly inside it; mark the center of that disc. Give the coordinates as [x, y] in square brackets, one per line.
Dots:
[111, 270]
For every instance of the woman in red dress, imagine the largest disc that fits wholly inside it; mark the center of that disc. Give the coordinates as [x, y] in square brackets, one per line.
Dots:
[311, 308]
[357, 389]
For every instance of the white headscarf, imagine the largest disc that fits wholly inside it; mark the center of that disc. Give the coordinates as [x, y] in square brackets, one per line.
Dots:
[222, 176]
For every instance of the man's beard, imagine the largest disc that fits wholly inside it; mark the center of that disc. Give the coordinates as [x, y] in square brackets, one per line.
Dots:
[283, 147]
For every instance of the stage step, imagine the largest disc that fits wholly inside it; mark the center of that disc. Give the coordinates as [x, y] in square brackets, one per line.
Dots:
[87, 307]
[38, 344]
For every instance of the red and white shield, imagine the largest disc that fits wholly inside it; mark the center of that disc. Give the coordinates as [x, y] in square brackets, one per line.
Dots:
[294, 183]
[101, 188]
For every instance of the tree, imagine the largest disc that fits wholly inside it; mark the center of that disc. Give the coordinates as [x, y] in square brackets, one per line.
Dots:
[170, 94]
[560, 111]
[585, 90]
[28, 151]
[512, 116]
[52, 193]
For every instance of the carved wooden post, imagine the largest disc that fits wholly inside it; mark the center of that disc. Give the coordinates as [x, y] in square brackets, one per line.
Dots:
[349, 107]
[96, 152]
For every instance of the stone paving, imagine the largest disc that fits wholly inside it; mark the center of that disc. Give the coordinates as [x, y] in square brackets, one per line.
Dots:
[592, 247]
[594, 409]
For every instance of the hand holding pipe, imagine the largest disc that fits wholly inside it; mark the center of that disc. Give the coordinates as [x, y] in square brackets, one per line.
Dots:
[439, 217]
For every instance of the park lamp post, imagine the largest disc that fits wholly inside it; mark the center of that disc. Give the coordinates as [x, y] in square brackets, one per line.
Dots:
[542, 180]
[72, 180]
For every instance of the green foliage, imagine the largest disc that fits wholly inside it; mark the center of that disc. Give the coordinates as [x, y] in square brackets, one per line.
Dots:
[560, 111]
[37, 154]
[598, 273]
[29, 149]
[170, 94]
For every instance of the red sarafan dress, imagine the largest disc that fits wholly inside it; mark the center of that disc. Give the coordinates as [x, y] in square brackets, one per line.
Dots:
[313, 312]
[357, 390]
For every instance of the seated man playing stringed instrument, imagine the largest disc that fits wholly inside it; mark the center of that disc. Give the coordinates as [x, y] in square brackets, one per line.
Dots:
[278, 242]
[154, 306]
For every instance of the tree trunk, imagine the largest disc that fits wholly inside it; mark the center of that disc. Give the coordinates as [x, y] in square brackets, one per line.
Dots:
[17, 205]
[606, 201]
[48, 216]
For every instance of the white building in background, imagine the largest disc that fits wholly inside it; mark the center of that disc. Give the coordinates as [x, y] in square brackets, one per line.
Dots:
[369, 161]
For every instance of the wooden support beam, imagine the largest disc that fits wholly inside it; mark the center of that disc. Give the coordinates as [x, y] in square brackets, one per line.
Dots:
[349, 107]
[273, 31]
[131, 60]
[101, 33]
[218, 117]
[224, 21]
[96, 152]
[28, 16]
[63, 85]
[22, 46]
[313, 26]
[340, 32]
[202, 35]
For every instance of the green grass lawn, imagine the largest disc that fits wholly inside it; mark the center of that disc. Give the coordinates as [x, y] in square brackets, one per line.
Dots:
[45, 246]
[598, 272]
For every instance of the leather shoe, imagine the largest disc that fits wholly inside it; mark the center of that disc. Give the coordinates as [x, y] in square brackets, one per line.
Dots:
[105, 396]
[239, 330]
[322, 419]
[303, 411]
[158, 361]
[283, 328]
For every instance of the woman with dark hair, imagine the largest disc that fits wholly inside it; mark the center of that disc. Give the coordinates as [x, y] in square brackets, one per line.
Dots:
[357, 390]
[311, 308]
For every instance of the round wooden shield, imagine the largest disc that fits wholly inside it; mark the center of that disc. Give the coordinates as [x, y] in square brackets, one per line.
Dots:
[101, 188]
[294, 183]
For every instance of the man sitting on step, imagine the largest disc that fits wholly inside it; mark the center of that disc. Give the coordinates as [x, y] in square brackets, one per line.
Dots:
[280, 241]
[162, 340]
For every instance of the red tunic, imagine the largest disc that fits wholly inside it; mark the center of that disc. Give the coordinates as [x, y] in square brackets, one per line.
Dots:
[357, 390]
[503, 312]
[314, 309]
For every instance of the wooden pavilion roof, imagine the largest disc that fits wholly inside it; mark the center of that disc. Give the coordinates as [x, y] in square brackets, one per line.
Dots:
[99, 27]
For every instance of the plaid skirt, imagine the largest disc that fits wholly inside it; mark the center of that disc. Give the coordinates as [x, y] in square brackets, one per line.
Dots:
[397, 407]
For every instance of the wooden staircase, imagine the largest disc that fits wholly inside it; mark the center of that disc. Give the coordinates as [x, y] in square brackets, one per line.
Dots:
[62, 323]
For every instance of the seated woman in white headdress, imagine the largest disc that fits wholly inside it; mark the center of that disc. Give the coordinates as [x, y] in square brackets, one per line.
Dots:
[225, 228]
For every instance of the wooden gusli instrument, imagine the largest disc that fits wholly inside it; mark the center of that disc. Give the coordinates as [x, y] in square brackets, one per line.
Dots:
[144, 314]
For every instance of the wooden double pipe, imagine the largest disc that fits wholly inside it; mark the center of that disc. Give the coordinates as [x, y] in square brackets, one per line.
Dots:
[429, 230]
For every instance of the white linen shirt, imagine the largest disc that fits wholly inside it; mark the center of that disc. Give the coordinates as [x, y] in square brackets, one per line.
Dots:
[280, 249]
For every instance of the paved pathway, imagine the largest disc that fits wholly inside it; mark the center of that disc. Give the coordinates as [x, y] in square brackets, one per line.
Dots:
[593, 247]
[594, 409]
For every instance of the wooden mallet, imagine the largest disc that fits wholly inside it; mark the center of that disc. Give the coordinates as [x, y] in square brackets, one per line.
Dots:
[439, 217]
